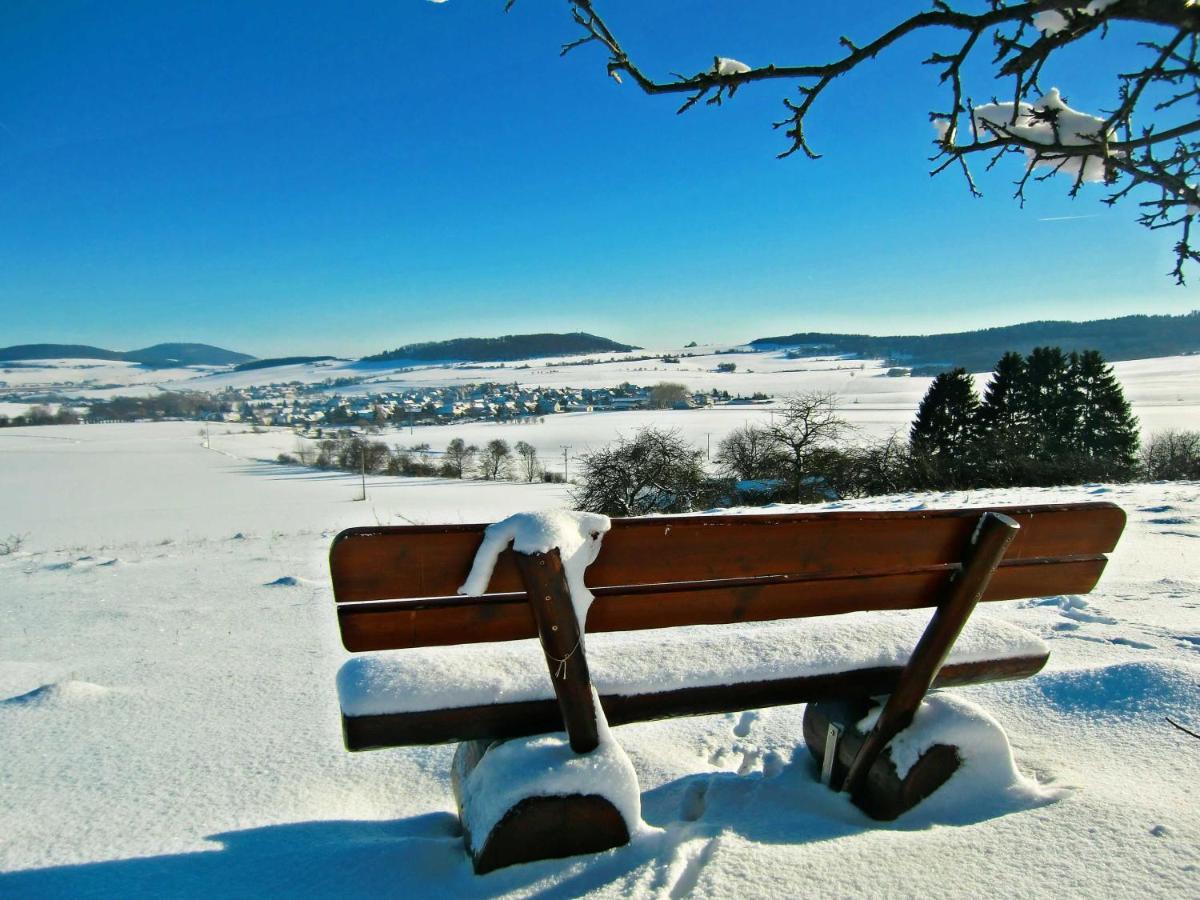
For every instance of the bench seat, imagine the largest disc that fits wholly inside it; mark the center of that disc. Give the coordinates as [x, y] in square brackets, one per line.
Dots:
[500, 690]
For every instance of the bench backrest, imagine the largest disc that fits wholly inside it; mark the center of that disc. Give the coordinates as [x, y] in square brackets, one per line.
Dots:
[395, 586]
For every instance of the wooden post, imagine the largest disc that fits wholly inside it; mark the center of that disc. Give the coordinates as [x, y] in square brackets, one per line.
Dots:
[550, 599]
[988, 545]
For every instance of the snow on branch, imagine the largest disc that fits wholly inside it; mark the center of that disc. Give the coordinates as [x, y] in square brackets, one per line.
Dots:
[1148, 140]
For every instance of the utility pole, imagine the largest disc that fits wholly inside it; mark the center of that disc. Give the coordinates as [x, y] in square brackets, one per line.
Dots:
[565, 449]
[362, 463]
[708, 434]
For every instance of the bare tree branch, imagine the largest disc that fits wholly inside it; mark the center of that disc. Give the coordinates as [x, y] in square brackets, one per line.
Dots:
[1025, 37]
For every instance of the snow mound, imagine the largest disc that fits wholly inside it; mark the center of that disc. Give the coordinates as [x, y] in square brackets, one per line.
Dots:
[1122, 690]
[57, 693]
[575, 534]
[546, 766]
[988, 775]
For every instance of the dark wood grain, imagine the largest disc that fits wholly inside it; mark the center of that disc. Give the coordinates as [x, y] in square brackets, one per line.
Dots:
[562, 644]
[509, 720]
[386, 563]
[461, 620]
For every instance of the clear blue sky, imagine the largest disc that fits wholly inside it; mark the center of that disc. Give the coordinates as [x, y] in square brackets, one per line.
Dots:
[295, 177]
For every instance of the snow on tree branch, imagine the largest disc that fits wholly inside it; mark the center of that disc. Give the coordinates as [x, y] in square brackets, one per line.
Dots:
[1147, 142]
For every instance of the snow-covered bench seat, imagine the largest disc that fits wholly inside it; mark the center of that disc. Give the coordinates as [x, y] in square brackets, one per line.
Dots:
[817, 607]
[444, 694]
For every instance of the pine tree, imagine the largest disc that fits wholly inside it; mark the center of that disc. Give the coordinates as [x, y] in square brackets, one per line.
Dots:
[943, 436]
[1051, 401]
[1108, 430]
[1003, 423]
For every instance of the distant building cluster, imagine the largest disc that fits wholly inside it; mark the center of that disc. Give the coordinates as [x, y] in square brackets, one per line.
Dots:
[312, 407]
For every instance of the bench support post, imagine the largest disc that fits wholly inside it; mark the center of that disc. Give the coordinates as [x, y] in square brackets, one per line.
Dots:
[562, 642]
[988, 545]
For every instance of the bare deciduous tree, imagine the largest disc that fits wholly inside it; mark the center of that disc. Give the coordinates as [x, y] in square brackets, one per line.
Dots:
[493, 463]
[458, 458]
[529, 460]
[748, 453]
[656, 471]
[807, 425]
[1146, 139]
[666, 394]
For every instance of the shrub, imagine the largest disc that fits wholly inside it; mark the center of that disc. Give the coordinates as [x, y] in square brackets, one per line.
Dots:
[654, 472]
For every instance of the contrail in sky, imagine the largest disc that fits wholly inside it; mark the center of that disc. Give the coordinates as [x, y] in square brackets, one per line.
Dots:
[1067, 218]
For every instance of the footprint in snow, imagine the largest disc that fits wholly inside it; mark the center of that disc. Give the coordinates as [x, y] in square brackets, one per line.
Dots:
[1170, 520]
[1158, 509]
[695, 800]
[288, 581]
[742, 728]
[1076, 609]
[1130, 642]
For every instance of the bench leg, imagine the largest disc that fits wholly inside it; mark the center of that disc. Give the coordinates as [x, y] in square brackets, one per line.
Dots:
[533, 827]
[988, 545]
[885, 795]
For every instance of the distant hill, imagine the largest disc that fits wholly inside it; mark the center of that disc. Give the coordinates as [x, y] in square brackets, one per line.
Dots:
[1127, 337]
[279, 361]
[57, 351]
[158, 356]
[509, 347]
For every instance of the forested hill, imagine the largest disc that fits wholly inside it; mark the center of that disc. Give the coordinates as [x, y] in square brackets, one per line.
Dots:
[508, 347]
[1128, 337]
[159, 355]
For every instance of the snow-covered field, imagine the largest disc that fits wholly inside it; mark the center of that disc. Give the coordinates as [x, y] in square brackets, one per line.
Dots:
[169, 721]
[1165, 392]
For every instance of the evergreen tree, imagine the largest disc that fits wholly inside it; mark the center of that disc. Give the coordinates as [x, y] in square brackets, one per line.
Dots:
[1051, 400]
[943, 436]
[1002, 423]
[1108, 430]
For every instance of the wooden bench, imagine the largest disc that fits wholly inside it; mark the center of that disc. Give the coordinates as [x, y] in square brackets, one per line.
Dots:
[395, 590]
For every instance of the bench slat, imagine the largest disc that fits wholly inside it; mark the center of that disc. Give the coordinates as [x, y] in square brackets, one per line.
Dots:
[387, 563]
[460, 620]
[510, 720]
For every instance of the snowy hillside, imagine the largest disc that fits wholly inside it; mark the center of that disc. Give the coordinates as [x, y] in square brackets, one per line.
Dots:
[169, 723]
[1164, 392]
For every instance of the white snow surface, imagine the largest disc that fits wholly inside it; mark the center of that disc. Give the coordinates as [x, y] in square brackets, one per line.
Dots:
[576, 535]
[662, 660]
[546, 766]
[169, 723]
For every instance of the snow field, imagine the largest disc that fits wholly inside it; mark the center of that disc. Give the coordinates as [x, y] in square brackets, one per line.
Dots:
[1165, 392]
[169, 717]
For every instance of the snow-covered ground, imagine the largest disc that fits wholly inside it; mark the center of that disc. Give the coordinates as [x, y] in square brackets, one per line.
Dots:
[169, 720]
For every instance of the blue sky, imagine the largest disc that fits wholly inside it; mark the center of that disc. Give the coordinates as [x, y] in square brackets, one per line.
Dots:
[293, 177]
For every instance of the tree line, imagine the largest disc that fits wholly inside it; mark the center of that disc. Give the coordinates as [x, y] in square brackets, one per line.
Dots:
[1050, 418]
[495, 461]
